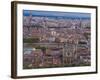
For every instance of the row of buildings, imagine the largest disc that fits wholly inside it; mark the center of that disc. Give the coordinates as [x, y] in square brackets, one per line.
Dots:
[72, 39]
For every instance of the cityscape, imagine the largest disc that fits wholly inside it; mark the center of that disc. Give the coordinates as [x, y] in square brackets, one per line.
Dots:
[56, 39]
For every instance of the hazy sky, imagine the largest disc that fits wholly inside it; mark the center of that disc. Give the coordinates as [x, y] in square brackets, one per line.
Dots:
[56, 13]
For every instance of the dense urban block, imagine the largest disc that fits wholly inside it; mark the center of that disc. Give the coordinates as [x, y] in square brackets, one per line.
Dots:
[56, 39]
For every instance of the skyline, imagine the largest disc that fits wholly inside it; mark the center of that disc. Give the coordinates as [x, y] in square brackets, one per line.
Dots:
[57, 14]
